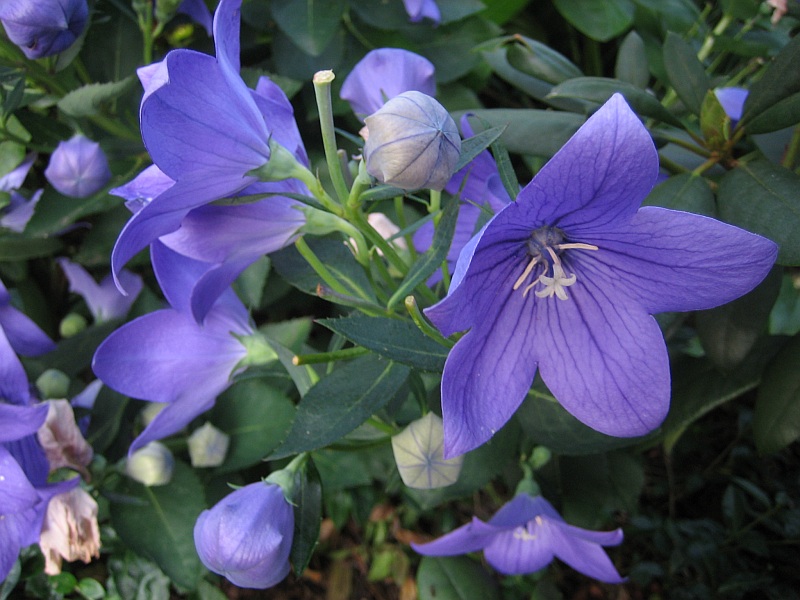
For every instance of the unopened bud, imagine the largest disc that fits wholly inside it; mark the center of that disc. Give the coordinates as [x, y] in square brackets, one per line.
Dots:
[418, 452]
[208, 446]
[78, 168]
[413, 143]
[71, 325]
[151, 465]
[53, 384]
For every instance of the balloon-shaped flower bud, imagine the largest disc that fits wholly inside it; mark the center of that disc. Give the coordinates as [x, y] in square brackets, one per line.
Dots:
[418, 452]
[208, 446]
[78, 167]
[412, 143]
[151, 465]
[247, 536]
[43, 27]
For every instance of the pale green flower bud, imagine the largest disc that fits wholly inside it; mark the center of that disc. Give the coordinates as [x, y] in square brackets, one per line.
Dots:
[71, 325]
[53, 384]
[208, 446]
[418, 452]
[412, 143]
[151, 465]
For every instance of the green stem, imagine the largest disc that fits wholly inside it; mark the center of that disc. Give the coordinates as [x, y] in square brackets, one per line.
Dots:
[705, 166]
[708, 44]
[790, 158]
[322, 90]
[671, 166]
[423, 325]
[373, 236]
[381, 426]
[687, 145]
[326, 357]
[319, 268]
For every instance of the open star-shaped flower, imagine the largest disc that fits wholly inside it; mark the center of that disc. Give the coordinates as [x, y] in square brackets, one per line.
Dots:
[566, 280]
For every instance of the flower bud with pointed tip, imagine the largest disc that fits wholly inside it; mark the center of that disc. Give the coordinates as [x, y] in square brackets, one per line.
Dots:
[208, 446]
[78, 167]
[247, 536]
[151, 465]
[413, 143]
[418, 452]
[43, 27]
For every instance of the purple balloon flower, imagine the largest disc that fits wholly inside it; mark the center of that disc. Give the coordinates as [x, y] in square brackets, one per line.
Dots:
[78, 167]
[43, 27]
[166, 356]
[383, 74]
[19, 211]
[732, 100]
[104, 300]
[423, 9]
[204, 129]
[525, 535]
[565, 280]
[22, 333]
[247, 536]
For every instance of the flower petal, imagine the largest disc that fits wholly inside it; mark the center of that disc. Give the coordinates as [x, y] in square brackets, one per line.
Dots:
[177, 415]
[675, 261]
[467, 538]
[518, 552]
[17, 421]
[13, 380]
[587, 557]
[599, 177]
[601, 354]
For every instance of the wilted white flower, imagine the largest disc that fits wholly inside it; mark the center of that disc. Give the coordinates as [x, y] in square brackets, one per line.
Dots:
[151, 465]
[62, 440]
[70, 530]
[413, 143]
[208, 446]
[419, 454]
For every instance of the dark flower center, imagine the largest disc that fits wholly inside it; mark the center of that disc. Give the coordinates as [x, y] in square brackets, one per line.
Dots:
[545, 247]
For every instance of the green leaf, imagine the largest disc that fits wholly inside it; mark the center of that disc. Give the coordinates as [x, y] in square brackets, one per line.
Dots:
[631, 65]
[342, 401]
[785, 316]
[11, 155]
[729, 332]
[107, 414]
[391, 338]
[311, 24]
[471, 147]
[547, 423]
[686, 73]
[600, 89]
[776, 420]
[307, 501]
[774, 100]
[87, 100]
[161, 526]
[91, 589]
[303, 376]
[765, 199]
[333, 253]
[454, 578]
[539, 60]
[56, 212]
[256, 416]
[600, 20]
[698, 387]
[596, 487]
[450, 49]
[14, 247]
[687, 192]
[532, 131]
[433, 258]
[74, 354]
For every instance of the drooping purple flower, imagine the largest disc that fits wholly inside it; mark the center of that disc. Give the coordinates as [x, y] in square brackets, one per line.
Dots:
[423, 9]
[479, 189]
[24, 336]
[19, 211]
[166, 356]
[565, 280]
[204, 129]
[413, 143]
[383, 74]
[43, 27]
[247, 536]
[104, 300]
[78, 167]
[525, 535]
[24, 494]
[198, 12]
[732, 101]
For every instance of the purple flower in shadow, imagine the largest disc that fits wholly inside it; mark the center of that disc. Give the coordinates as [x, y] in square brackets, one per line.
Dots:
[166, 356]
[525, 535]
[423, 9]
[43, 27]
[732, 100]
[19, 211]
[383, 74]
[565, 280]
[104, 300]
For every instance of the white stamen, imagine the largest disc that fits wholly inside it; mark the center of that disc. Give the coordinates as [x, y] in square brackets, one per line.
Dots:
[555, 285]
[526, 272]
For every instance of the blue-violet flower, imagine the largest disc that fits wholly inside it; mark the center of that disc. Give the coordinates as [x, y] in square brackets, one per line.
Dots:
[44, 27]
[78, 167]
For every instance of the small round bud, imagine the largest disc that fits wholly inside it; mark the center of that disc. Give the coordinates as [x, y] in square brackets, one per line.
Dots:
[418, 452]
[78, 168]
[151, 465]
[208, 446]
[540, 457]
[71, 325]
[53, 384]
[413, 143]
